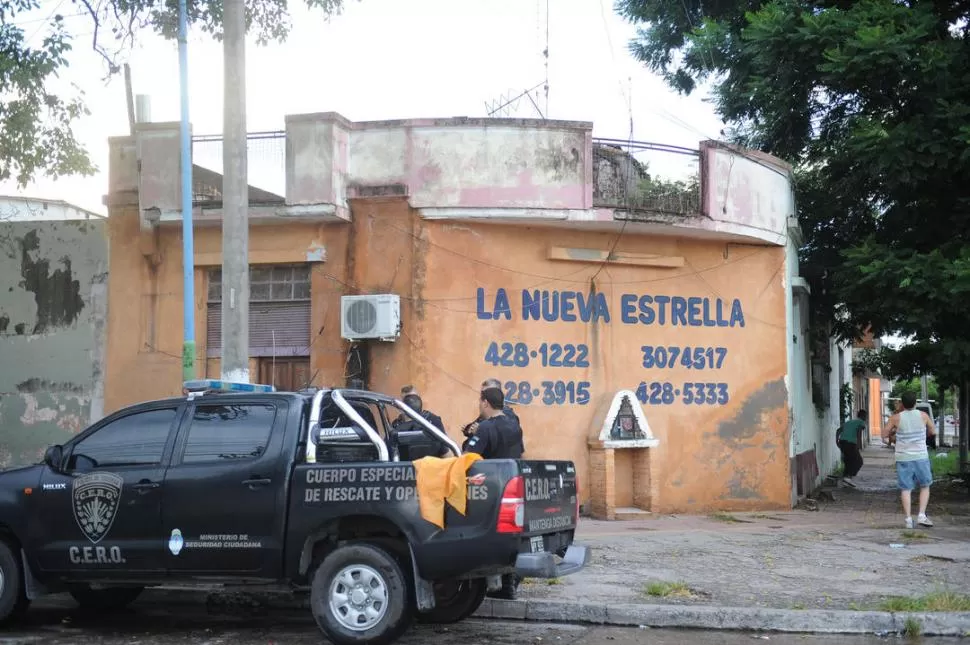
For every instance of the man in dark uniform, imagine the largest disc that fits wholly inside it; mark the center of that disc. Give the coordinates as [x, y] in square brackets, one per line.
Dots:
[497, 435]
[407, 424]
[469, 430]
[414, 402]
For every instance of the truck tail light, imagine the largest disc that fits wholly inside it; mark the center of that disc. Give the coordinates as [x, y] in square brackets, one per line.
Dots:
[511, 513]
[576, 512]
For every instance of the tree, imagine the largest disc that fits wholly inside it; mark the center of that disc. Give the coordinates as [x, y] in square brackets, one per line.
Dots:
[870, 101]
[36, 122]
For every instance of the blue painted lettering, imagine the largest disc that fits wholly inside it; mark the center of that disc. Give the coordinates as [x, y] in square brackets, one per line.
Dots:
[577, 306]
[565, 306]
[500, 308]
[687, 393]
[662, 308]
[737, 316]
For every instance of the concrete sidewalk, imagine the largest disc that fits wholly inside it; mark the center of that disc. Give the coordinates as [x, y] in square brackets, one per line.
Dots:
[849, 555]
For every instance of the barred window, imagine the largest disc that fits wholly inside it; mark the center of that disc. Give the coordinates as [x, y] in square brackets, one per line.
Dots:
[268, 283]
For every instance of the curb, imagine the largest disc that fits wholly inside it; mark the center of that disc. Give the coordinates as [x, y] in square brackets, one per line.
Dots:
[746, 619]
[754, 619]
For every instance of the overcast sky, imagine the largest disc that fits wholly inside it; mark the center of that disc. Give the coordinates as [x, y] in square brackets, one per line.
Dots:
[386, 59]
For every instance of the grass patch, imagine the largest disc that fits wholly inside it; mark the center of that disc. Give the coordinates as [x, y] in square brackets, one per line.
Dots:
[914, 535]
[939, 601]
[945, 466]
[552, 582]
[912, 628]
[725, 517]
[667, 590]
[798, 606]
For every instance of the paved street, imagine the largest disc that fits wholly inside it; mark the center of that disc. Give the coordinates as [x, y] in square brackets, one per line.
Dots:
[57, 622]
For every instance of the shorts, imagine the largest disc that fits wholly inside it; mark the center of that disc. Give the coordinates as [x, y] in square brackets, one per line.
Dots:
[914, 474]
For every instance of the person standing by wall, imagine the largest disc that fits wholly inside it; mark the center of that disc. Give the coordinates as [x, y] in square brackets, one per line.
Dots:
[496, 435]
[848, 438]
[909, 429]
[470, 429]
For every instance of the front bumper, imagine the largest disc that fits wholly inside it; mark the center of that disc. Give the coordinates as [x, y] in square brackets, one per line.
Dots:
[544, 565]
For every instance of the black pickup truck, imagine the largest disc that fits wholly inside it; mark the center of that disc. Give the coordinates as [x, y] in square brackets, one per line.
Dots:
[261, 490]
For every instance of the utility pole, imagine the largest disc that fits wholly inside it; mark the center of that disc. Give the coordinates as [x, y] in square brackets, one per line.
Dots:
[188, 244]
[235, 198]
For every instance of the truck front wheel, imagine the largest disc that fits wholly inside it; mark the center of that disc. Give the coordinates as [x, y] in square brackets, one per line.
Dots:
[454, 601]
[13, 599]
[359, 594]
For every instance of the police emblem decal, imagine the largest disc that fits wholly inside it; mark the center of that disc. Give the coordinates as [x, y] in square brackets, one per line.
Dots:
[96, 497]
[175, 542]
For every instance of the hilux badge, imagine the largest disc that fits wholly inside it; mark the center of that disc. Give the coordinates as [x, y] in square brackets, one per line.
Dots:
[175, 542]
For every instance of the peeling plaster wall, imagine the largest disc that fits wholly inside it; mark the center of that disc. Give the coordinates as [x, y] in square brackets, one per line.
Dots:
[53, 277]
[446, 163]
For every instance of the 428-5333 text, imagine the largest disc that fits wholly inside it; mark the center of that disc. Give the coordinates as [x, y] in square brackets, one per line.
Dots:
[686, 393]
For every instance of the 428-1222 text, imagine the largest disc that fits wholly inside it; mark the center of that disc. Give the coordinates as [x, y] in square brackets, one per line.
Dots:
[548, 354]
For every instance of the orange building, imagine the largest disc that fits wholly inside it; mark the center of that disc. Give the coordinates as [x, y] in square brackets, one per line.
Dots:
[523, 250]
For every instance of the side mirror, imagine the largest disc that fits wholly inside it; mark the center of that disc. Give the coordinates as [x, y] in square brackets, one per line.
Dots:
[54, 457]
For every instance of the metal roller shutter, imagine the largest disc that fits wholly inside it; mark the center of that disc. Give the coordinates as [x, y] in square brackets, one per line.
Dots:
[288, 321]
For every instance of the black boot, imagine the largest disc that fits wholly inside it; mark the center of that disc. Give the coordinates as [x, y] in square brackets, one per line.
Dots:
[510, 584]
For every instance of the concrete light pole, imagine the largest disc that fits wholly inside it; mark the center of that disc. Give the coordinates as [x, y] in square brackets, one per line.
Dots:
[235, 198]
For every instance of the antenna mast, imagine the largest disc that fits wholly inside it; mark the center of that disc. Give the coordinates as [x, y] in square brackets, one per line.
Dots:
[508, 102]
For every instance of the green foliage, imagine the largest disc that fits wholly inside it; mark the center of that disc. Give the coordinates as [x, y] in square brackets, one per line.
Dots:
[913, 387]
[846, 399]
[670, 196]
[36, 122]
[870, 100]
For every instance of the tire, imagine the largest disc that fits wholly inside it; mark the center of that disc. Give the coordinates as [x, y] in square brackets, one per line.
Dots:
[359, 568]
[454, 601]
[13, 596]
[106, 599]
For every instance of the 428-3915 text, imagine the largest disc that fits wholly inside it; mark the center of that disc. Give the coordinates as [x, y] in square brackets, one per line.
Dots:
[548, 354]
[550, 392]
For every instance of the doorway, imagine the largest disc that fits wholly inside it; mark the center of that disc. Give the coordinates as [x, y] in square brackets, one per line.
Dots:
[287, 374]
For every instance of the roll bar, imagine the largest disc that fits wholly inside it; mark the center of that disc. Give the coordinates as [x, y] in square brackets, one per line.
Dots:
[339, 397]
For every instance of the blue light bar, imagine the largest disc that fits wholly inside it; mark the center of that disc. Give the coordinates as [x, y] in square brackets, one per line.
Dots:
[215, 385]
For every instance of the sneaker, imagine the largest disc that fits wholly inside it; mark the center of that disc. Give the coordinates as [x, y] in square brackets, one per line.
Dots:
[909, 522]
[848, 482]
[922, 520]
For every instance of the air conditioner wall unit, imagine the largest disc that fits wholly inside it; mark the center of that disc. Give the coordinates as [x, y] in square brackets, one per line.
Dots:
[374, 316]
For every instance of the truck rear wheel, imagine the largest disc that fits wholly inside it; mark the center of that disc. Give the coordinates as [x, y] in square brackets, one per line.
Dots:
[359, 594]
[104, 599]
[454, 601]
[13, 597]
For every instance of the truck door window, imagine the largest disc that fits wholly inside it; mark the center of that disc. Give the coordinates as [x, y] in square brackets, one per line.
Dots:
[220, 432]
[132, 440]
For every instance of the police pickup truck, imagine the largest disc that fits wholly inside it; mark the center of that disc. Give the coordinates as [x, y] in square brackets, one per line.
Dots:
[261, 490]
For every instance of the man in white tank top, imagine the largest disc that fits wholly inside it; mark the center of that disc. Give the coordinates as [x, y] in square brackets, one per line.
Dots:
[910, 427]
